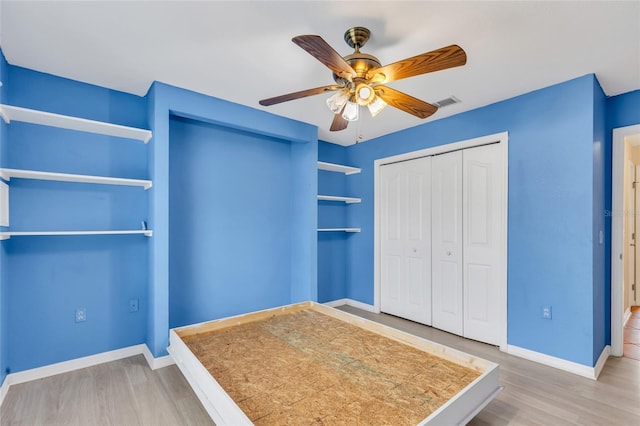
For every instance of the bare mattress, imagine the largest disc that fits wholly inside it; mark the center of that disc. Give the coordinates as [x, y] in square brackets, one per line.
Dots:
[311, 364]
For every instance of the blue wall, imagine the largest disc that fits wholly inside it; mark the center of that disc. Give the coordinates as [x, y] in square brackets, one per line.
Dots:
[230, 216]
[550, 231]
[4, 305]
[47, 278]
[332, 249]
[623, 110]
[221, 123]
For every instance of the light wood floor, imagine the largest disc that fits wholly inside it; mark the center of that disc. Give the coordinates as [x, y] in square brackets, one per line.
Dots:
[127, 392]
[124, 392]
[632, 335]
[538, 395]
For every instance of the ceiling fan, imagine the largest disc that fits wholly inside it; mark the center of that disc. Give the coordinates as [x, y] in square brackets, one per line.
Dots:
[360, 79]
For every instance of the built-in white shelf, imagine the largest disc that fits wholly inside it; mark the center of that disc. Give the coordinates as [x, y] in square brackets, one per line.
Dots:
[347, 170]
[338, 229]
[12, 113]
[7, 235]
[7, 174]
[348, 200]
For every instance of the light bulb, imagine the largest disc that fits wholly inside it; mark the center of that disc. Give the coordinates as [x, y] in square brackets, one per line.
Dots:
[376, 106]
[351, 111]
[364, 94]
[337, 101]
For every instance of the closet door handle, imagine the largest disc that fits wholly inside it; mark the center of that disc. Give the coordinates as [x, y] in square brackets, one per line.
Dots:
[448, 253]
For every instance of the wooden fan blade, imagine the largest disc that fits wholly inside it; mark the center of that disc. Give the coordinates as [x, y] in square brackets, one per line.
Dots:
[338, 122]
[406, 103]
[320, 49]
[436, 60]
[298, 95]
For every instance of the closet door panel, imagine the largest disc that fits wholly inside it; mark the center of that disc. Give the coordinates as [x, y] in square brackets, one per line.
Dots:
[392, 182]
[406, 239]
[482, 219]
[447, 301]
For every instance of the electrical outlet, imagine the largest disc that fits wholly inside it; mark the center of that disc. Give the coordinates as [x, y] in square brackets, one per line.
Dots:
[133, 305]
[546, 312]
[81, 314]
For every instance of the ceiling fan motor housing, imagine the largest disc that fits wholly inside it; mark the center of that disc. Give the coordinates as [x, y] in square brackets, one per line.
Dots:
[356, 37]
[361, 63]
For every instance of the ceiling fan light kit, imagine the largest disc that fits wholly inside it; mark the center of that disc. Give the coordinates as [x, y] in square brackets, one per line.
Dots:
[376, 106]
[360, 78]
[336, 101]
[364, 94]
[351, 111]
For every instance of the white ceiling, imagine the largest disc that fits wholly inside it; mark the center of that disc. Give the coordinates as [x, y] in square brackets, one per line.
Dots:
[242, 51]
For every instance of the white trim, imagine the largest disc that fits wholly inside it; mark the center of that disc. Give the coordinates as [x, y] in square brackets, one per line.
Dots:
[503, 139]
[562, 364]
[602, 360]
[627, 315]
[354, 303]
[336, 303]
[71, 365]
[363, 306]
[3, 390]
[155, 363]
[84, 362]
[617, 237]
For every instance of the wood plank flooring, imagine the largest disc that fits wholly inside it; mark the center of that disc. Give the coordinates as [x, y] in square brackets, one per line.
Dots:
[127, 392]
[632, 335]
[538, 395]
[123, 392]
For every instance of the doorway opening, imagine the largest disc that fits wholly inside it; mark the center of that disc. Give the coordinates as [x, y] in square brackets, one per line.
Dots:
[625, 231]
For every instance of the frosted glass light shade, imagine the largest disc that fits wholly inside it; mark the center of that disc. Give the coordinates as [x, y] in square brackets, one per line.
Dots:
[376, 106]
[364, 94]
[351, 112]
[337, 101]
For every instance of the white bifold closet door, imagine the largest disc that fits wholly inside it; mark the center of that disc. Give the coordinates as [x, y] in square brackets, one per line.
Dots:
[405, 202]
[482, 218]
[447, 302]
[466, 220]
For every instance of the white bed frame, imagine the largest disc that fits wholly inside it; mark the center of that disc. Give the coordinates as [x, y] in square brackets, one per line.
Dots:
[458, 410]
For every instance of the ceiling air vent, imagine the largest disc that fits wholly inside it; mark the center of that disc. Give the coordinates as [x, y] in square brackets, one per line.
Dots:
[446, 102]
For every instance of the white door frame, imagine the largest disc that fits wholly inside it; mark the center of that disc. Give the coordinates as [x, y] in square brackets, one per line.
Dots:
[617, 236]
[503, 140]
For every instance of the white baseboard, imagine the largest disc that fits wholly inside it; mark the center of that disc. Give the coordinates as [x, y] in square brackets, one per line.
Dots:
[354, 303]
[155, 363]
[563, 364]
[335, 303]
[71, 365]
[627, 315]
[602, 360]
[78, 363]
